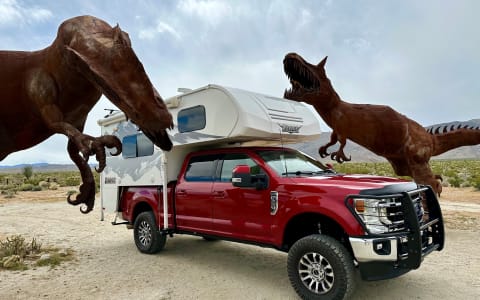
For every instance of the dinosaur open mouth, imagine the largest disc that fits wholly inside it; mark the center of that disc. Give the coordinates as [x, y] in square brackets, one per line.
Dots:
[300, 76]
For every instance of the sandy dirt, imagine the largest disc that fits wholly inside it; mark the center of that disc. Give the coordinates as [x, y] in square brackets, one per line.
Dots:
[108, 265]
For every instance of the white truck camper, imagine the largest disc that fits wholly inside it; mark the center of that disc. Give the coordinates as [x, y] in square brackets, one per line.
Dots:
[211, 115]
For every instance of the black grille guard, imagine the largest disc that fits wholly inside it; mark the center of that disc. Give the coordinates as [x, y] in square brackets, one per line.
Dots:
[417, 244]
[433, 227]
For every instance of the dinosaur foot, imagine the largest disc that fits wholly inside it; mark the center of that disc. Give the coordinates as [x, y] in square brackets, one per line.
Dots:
[340, 157]
[89, 145]
[323, 152]
[86, 196]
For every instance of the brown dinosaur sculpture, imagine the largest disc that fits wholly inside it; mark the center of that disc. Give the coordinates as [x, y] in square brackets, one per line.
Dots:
[52, 90]
[403, 142]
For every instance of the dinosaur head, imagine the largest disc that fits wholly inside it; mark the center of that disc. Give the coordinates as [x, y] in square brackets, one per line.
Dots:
[308, 81]
[105, 57]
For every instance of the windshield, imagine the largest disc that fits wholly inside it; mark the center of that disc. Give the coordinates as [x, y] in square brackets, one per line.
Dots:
[291, 162]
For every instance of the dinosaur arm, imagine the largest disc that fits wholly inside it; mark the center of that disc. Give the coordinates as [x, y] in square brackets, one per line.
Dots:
[333, 140]
[339, 155]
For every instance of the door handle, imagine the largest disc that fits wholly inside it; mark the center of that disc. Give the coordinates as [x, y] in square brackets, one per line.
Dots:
[181, 192]
[219, 194]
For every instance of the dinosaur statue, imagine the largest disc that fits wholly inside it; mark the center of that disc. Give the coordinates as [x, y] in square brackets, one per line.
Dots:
[52, 90]
[403, 142]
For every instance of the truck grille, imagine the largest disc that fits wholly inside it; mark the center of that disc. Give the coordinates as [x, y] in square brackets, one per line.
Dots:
[393, 212]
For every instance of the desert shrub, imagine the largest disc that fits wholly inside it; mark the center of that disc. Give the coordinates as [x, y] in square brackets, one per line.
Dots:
[53, 186]
[36, 188]
[34, 180]
[455, 181]
[44, 184]
[72, 181]
[474, 181]
[26, 187]
[15, 252]
[16, 245]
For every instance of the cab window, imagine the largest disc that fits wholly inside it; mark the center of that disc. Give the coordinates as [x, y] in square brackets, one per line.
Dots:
[230, 161]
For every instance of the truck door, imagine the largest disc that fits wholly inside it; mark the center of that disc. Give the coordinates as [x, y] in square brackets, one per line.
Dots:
[194, 194]
[242, 213]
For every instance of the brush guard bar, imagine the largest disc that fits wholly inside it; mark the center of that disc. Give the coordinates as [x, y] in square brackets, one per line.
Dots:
[413, 226]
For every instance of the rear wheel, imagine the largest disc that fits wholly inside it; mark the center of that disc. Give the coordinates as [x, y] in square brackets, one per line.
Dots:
[319, 267]
[148, 238]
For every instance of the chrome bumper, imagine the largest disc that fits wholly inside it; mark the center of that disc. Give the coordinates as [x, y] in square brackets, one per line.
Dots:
[375, 249]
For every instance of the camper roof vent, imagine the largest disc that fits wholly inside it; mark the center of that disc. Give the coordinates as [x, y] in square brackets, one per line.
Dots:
[184, 90]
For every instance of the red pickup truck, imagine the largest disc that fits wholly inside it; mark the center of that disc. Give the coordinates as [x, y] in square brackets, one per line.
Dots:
[220, 184]
[329, 223]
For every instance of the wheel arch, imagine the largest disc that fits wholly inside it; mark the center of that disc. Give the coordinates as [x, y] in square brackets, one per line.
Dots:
[307, 223]
[140, 207]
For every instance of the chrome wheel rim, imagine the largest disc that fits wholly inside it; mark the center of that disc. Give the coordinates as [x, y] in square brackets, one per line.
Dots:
[316, 273]
[145, 233]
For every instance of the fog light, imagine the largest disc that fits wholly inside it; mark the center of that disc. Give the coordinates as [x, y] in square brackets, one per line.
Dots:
[382, 247]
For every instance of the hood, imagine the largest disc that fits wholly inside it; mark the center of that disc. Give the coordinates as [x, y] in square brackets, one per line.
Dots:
[355, 182]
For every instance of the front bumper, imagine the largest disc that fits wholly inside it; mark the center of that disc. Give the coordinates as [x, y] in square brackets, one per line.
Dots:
[388, 255]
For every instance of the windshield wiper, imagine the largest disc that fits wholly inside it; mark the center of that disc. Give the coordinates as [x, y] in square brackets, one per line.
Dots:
[311, 173]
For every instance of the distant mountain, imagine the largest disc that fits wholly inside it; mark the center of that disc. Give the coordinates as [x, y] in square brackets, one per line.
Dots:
[39, 167]
[360, 154]
[357, 152]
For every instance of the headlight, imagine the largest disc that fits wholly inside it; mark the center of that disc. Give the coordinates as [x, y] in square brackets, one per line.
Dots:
[373, 212]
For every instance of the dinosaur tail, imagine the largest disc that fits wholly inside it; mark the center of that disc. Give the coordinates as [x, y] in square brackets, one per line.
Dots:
[452, 138]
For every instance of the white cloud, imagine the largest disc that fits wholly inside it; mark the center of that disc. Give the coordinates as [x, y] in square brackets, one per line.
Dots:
[161, 28]
[165, 28]
[211, 11]
[12, 12]
[9, 11]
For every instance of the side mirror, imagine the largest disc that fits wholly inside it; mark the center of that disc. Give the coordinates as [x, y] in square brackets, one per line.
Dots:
[241, 177]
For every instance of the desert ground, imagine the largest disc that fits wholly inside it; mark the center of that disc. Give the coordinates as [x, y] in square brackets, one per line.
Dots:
[107, 264]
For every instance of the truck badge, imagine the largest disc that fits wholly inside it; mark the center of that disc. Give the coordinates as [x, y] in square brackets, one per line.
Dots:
[273, 202]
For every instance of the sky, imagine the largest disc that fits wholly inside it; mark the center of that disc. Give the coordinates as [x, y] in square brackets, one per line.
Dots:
[422, 58]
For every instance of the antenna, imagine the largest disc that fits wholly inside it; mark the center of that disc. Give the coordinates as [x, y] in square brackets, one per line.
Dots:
[283, 148]
[110, 111]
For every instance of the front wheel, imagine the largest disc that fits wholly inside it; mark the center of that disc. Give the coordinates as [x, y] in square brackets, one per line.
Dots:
[319, 267]
[148, 238]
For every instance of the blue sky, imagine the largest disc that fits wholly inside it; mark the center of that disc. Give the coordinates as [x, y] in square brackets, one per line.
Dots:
[420, 57]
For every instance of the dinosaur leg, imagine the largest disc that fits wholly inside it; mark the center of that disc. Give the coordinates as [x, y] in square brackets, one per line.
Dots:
[339, 155]
[422, 174]
[323, 150]
[400, 167]
[87, 189]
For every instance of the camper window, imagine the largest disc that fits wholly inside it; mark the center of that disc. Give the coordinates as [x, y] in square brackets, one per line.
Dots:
[191, 119]
[136, 146]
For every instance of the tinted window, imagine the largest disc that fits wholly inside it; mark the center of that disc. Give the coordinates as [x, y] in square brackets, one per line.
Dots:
[191, 119]
[136, 146]
[201, 168]
[230, 161]
[129, 146]
[144, 145]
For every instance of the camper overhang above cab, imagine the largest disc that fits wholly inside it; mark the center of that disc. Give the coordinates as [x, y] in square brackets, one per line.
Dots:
[222, 114]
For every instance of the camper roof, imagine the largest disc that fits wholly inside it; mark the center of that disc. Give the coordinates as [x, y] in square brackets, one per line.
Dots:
[214, 112]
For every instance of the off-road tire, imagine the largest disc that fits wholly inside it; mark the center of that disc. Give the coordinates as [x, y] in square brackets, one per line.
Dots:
[326, 266]
[148, 238]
